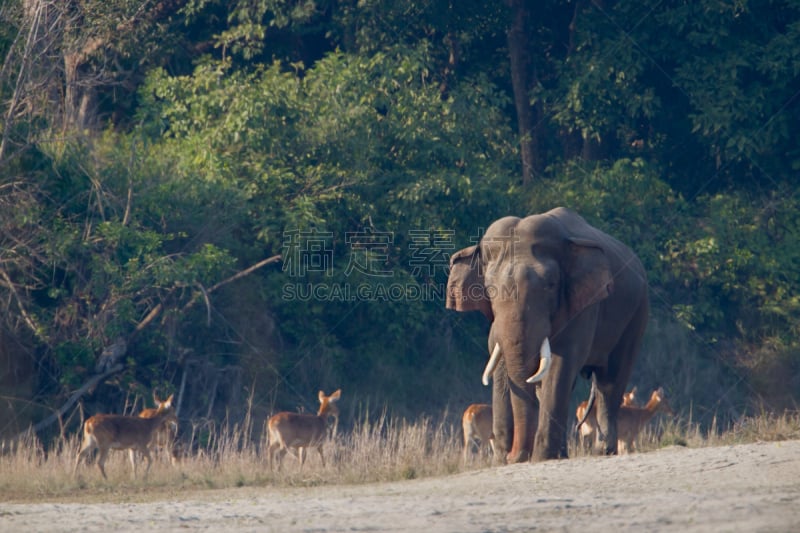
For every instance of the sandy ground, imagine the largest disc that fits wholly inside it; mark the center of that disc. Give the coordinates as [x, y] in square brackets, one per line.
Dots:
[754, 487]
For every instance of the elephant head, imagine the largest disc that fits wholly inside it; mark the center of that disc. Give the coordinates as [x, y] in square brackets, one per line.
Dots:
[547, 284]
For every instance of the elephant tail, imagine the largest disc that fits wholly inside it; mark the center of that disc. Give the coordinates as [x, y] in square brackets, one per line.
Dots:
[589, 403]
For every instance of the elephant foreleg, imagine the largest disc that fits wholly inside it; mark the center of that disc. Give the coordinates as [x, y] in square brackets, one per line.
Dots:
[553, 427]
[502, 419]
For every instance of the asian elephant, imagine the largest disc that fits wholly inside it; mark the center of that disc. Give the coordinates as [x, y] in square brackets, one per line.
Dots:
[563, 298]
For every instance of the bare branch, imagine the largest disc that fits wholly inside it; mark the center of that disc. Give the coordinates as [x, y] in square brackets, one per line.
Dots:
[247, 271]
[149, 318]
[15, 98]
[13, 290]
[93, 381]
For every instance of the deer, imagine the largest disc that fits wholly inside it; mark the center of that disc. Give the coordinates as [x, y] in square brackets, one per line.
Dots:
[629, 398]
[120, 432]
[477, 425]
[587, 423]
[165, 436]
[301, 430]
[631, 420]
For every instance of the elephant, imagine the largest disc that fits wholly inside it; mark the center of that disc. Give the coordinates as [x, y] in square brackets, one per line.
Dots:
[563, 299]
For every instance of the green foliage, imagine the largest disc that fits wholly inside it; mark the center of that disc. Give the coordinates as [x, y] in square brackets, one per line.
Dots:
[76, 358]
[741, 277]
[602, 90]
[96, 272]
[737, 91]
[236, 159]
[725, 263]
[393, 122]
[627, 199]
[350, 127]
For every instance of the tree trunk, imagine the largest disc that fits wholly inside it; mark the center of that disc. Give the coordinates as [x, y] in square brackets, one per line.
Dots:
[523, 79]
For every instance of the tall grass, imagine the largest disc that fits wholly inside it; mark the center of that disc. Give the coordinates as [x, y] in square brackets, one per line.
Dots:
[383, 449]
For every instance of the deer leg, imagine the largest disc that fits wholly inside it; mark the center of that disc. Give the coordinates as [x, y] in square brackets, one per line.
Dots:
[147, 456]
[297, 453]
[132, 457]
[173, 445]
[271, 453]
[281, 453]
[586, 440]
[101, 461]
[87, 447]
[321, 456]
[174, 452]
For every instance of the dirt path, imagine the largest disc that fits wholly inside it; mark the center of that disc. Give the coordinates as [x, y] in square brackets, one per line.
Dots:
[754, 487]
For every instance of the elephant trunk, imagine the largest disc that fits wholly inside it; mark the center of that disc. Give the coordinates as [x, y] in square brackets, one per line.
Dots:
[523, 400]
[524, 407]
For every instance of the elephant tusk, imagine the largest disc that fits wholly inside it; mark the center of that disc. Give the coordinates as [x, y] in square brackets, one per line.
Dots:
[544, 362]
[487, 373]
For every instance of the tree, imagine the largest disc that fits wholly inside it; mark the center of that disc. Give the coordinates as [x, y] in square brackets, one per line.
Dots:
[523, 81]
[66, 53]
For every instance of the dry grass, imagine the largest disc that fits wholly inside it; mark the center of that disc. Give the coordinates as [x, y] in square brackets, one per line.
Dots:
[670, 431]
[385, 449]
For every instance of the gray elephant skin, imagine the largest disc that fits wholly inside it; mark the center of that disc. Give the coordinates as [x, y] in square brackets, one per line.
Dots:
[552, 280]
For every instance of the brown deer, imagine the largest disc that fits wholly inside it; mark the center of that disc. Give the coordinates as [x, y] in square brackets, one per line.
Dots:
[166, 435]
[301, 431]
[588, 429]
[631, 420]
[629, 398]
[120, 432]
[477, 425]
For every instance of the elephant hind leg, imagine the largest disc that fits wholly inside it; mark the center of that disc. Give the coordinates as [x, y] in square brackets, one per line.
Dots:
[606, 409]
[613, 380]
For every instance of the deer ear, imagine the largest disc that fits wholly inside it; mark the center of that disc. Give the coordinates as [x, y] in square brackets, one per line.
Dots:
[321, 396]
[336, 395]
[465, 286]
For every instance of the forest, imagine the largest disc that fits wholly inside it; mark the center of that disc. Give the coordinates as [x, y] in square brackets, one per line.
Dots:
[243, 202]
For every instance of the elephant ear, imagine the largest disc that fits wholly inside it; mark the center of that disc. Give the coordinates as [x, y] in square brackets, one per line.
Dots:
[465, 286]
[589, 275]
